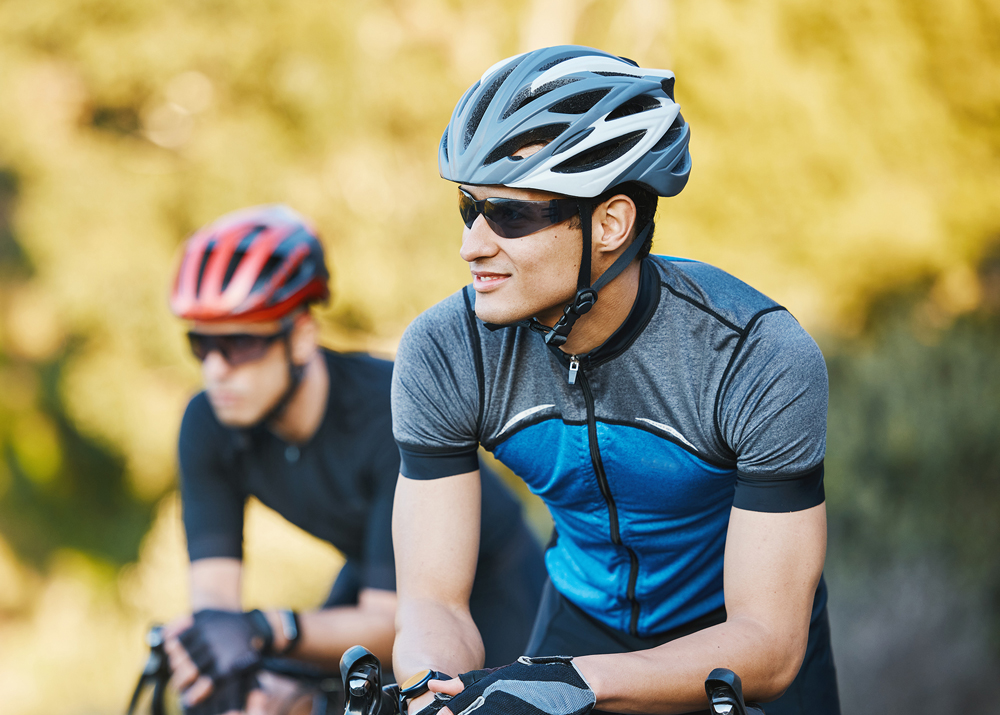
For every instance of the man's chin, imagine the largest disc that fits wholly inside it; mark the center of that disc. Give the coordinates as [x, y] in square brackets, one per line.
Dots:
[502, 315]
[235, 417]
[498, 317]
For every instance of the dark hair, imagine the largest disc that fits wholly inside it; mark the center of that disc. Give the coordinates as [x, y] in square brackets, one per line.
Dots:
[645, 210]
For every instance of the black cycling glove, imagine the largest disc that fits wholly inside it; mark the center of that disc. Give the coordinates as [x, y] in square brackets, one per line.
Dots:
[228, 695]
[549, 685]
[227, 643]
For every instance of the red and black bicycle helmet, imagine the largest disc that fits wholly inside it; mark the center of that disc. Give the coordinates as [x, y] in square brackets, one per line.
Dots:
[255, 264]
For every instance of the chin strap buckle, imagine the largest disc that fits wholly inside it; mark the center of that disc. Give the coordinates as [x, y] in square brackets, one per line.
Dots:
[558, 334]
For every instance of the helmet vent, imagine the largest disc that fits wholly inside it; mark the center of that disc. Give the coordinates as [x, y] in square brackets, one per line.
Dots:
[553, 63]
[683, 166]
[238, 253]
[266, 272]
[292, 282]
[619, 74]
[600, 155]
[525, 96]
[642, 103]
[671, 135]
[579, 103]
[204, 263]
[234, 263]
[573, 141]
[668, 87]
[538, 135]
[444, 144]
[484, 102]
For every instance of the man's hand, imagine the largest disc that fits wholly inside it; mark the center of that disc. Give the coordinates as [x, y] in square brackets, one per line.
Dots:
[532, 686]
[214, 656]
[229, 696]
[225, 643]
[185, 677]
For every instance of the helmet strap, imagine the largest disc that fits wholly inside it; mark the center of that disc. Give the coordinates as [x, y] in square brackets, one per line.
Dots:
[586, 294]
[295, 375]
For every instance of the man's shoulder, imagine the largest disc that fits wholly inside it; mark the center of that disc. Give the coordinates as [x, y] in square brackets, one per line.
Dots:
[447, 323]
[202, 436]
[200, 416]
[359, 366]
[715, 292]
[453, 309]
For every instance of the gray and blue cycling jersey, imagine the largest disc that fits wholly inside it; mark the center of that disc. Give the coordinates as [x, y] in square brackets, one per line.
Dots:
[709, 396]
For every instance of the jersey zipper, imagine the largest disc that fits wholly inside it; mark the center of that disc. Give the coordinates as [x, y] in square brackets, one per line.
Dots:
[602, 482]
[574, 367]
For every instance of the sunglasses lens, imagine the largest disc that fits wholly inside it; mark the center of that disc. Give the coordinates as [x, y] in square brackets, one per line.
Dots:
[235, 349]
[199, 345]
[467, 207]
[511, 218]
[239, 349]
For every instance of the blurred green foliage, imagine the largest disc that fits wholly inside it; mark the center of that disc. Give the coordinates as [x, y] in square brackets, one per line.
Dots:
[58, 488]
[914, 436]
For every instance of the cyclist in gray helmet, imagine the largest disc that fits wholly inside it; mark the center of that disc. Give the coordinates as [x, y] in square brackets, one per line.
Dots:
[672, 418]
[594, 126]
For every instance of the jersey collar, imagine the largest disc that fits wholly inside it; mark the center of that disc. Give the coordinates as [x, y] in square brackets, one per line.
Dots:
[647, 300]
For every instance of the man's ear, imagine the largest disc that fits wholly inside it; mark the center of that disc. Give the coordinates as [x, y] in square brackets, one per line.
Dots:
[613, 223]
[304, 337]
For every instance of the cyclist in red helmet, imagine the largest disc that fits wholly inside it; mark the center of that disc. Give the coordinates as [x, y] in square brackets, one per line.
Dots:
[308, 432]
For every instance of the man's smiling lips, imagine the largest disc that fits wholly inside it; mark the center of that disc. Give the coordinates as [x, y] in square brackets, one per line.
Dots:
[486, 280]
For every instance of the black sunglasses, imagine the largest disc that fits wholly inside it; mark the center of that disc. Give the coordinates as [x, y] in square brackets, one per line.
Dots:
[235, 348]
[513, 218]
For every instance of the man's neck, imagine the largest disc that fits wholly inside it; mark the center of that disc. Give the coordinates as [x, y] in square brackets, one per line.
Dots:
[302, 416]
[609, 312]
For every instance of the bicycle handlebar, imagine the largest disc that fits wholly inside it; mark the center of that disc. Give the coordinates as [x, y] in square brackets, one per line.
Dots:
[156, 672]
[362, 674]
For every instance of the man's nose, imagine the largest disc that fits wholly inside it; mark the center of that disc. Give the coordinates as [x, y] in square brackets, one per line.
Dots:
[479, 241]
[214, 367]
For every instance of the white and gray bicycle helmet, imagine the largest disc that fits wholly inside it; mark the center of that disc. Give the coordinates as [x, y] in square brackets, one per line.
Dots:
[604, 121]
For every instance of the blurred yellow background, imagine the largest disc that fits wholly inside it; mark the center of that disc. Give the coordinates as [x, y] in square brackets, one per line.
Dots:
[842, 151]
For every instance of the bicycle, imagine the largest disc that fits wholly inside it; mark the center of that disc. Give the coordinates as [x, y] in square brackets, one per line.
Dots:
[365, 694]
[328, 698]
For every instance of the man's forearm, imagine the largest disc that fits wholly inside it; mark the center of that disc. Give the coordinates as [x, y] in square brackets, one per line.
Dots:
[431, 635]
[435, 526]
[670, 678]
[216, 583]
[327, 633]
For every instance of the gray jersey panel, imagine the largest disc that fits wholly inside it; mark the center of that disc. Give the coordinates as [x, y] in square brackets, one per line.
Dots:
[435, 393]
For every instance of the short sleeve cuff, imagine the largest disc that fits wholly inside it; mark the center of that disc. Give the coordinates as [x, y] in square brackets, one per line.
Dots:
[780, 494]
[215, 546]
[419, 464]
[379, 576]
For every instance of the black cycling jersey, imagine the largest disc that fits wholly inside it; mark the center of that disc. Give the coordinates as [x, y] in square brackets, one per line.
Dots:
[337, 486]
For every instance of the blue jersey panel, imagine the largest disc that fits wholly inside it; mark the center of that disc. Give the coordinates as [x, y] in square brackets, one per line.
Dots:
[584, 563]
[672, 508]
[673, 511]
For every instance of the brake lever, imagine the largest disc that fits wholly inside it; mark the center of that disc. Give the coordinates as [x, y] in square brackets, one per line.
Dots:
[363, 691]
[155, 671]
[725, 693]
